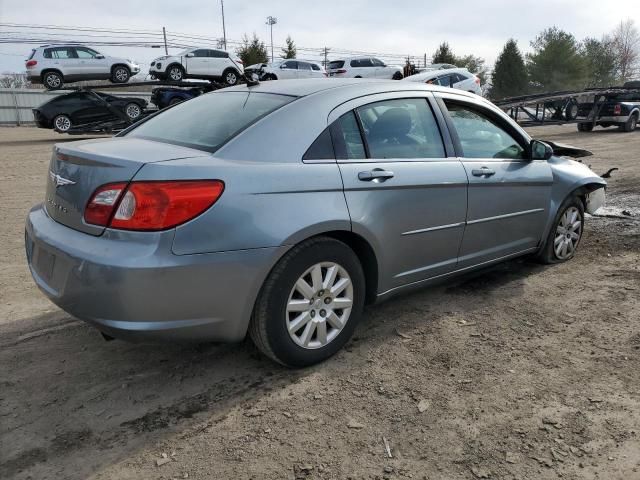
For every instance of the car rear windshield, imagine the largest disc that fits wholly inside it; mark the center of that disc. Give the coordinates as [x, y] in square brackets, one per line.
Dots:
[209, 121]
[336, 64]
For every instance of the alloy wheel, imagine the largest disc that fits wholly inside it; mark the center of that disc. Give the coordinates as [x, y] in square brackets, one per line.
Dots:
[53, 80]
[319, 305]
[568, 233]
[133, 111]
[62, 123]
[231, 78]
[121, 75]
[175, 74]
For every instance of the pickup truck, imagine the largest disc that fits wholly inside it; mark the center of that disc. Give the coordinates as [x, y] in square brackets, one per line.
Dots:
[621, 110]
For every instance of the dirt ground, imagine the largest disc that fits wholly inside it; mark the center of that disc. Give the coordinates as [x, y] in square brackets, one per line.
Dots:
[520, 372]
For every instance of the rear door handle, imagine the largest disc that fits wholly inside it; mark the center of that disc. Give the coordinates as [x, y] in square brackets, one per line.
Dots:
[376, 175]
[482, 172]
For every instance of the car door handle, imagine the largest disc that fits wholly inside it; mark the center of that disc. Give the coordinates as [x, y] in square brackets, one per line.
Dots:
[376, 175]
[482, 172]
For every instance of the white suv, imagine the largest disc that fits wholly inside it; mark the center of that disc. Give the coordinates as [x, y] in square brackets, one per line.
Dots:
[363, 67]
[459, 78]
[204, 63]
[287, 69]
[53, 65]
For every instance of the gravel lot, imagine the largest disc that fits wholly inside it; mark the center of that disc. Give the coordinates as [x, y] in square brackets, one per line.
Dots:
[523, 371]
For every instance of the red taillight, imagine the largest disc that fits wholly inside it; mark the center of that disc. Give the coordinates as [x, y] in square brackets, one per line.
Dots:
[477, 80]
[151, 205]
[31, 63]
[617, 109]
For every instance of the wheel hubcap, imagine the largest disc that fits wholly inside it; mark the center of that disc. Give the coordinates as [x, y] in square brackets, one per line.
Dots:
[175, 74]
[231, 78]
[568, 233]
[121, 74]
[319, 305]
[63, 123]
[133, 111]
[53, 80]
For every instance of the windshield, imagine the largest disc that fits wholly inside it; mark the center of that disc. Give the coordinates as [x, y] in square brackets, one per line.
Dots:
[209, 121]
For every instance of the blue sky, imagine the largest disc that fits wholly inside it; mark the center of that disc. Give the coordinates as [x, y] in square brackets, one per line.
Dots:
[400, 27]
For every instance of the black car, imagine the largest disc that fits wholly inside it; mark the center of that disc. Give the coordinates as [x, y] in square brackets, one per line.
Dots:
[163, 97]
[88, 109]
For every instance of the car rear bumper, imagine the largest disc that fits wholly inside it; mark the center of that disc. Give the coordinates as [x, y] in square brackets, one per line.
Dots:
[614, 119]
[129, 285]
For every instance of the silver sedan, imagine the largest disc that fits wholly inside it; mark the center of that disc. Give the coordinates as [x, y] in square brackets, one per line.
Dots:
[281, 209]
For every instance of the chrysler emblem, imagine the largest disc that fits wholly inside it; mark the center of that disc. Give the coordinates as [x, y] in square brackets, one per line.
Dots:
[60, 181]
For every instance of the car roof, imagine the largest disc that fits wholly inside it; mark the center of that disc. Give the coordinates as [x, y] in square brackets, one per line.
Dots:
[305, 87]
[436, 73]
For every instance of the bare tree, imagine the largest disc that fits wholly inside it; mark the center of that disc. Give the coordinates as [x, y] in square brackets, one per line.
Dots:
[13, 80]
[626, 42]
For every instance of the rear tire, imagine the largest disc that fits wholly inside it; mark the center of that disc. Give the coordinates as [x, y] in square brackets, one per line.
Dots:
[566, 230]
[230, 77]
[133, 111]
[325, 316]
[62, 123]
[585, 127]
[630, 125]
[52, 80]
[120, 74]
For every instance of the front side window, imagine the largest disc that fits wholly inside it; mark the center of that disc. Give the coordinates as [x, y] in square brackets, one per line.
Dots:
[377, 63]
[336, 64]
[209, 121]
[85, 52]
[480, 137]
[403, 128]
[200, 53]
[315, 67]
[291, 65]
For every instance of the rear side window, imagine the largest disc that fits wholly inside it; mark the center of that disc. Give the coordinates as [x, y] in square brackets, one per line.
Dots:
[347, 139]
[336, 64]
[404, 128]
[209, 121]
[304, 66]
[480, 137]
[321, 148]
[33, 52]
[61, 53]
[218, 54]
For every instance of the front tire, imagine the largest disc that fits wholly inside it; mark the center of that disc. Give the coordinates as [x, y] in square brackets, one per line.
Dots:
[175, 73]
[62, 123]
[310, 304]
[397, 76]
[120, 74]
[565, 235]
[52, 80]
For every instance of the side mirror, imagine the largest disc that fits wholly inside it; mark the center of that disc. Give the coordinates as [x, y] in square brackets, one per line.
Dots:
[189, 55]
[100, 57]
[539, 150]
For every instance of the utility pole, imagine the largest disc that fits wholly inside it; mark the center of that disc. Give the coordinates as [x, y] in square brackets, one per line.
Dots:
[271, 21]
[224, 31]
[164, 34]
[326, 52]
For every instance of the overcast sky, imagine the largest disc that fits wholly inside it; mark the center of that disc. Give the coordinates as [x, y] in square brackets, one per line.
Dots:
[399, 27]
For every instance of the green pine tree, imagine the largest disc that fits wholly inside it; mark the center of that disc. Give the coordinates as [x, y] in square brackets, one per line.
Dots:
[601, 62]
[443, 54]
[509, 78]
[290, 51]
[556, 62]
[252, 51]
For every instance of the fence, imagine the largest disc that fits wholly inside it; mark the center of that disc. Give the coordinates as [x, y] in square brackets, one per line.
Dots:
[16, 103]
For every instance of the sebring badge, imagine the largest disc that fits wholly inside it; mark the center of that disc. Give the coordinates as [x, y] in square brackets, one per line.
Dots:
[60, 181]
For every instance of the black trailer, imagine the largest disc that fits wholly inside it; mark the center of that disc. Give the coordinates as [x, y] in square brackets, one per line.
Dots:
[558, 108]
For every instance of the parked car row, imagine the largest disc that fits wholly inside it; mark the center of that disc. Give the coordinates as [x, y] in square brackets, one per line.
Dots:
[287, 69]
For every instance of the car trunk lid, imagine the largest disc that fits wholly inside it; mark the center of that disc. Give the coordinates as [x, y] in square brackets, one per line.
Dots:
[77, 169]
